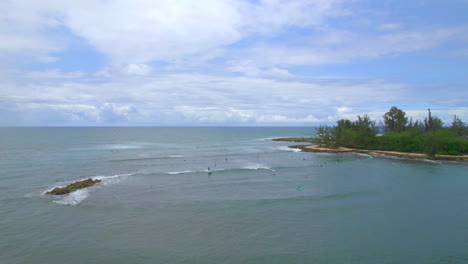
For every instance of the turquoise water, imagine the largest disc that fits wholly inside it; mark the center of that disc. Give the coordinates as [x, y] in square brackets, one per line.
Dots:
[263, 202]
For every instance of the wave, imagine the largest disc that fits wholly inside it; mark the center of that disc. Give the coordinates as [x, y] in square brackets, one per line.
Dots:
[257, 166]
[196, 171]
[364, 155]
[120, 146]
[73, 198]
[110, 147]
[105, 180]
[148, 158]
[252, 166]
[418, 159]
[432, 161]
[180, 172]
[286, 148]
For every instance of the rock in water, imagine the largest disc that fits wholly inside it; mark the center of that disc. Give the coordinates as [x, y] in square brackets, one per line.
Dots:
[74, 186]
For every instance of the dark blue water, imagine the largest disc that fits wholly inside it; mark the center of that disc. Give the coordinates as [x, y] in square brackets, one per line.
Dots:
[262, 202]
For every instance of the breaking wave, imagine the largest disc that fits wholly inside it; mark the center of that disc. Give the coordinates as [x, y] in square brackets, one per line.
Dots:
[111, 147]
[364, 155]
[78, 196]
[257, 166]
[251, 166]
[148, 158]
[286, 148]
[189, 171]
[73, 198]
[180, 172]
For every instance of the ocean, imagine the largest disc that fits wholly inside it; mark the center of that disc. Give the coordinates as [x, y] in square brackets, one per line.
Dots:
[222, 195]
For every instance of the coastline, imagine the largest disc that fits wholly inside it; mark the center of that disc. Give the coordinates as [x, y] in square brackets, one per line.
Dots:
[407, 155]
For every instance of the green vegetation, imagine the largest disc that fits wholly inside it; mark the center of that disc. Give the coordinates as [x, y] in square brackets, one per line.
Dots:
[395, 120]
[428, 136]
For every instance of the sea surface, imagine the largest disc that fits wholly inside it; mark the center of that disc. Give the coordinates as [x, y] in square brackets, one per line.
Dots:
[222, 195]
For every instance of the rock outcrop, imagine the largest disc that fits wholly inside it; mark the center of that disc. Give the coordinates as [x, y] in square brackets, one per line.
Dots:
[73, 187]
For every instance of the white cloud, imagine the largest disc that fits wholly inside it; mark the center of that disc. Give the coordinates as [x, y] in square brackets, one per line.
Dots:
[75, 113]
[137, 69]
[286, 119]
[144, 30]
[269, 16]
[193, 32]
[23, 47]
[214, 114]
[338, 46]
[62, 112]
[24, 32]
[248, 68]
[202, 98]
[53, 74]
[208, 60]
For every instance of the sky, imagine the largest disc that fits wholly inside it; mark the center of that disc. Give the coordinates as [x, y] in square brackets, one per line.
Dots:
[230, 62]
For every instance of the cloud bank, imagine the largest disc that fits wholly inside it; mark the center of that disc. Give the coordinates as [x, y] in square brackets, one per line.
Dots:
[225, 62]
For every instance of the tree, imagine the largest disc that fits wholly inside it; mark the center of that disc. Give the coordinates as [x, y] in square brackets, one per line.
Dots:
[395, 120]
[344, 123]
[365, 123]
[327, 136]
[458, 127]
[432, 123]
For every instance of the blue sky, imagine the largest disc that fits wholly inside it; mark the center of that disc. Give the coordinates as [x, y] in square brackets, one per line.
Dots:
[230, 62]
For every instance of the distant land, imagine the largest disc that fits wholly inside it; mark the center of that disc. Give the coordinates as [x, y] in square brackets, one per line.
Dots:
[396, 136]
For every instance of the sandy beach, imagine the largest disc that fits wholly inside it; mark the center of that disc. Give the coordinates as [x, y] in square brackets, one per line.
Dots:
[409, 155]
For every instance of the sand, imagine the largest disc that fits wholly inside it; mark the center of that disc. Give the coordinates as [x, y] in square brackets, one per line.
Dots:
[409, 155]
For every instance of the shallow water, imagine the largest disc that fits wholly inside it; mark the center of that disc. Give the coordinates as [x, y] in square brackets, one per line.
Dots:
[263, 202]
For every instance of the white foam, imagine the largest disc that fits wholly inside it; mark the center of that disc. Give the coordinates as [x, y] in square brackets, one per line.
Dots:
[175, 156]
[120, 146]
[364, 155]
[30, 195]
[212, 170]
[110, 147]
[105, 180]
[432, 161]
[257, 166]
[178, 172]
[286, 148]
[188, 171]
[73, 198]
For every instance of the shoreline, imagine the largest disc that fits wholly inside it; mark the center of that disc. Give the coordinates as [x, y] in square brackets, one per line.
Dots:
[407, 155]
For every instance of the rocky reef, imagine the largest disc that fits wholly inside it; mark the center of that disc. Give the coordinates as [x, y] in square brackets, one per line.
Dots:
[73, 187]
